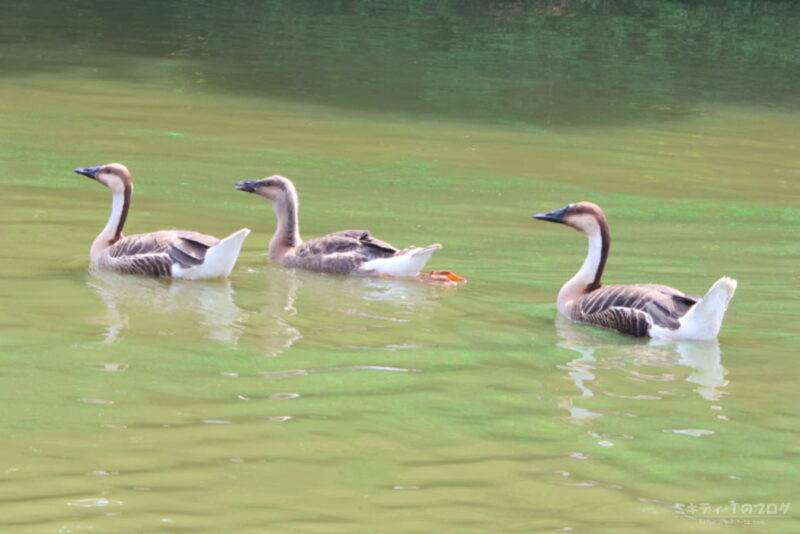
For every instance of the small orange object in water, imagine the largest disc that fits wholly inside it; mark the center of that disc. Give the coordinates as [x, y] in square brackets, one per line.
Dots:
[449, 275]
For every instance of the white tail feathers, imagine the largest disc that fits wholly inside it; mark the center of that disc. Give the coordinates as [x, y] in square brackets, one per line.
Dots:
[407, 263]
[704, 319]
[219, 260]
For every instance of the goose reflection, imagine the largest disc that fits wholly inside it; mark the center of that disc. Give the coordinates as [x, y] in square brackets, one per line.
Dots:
[331, 291]
[294, 302]
[209, 304]
[274, 332]
[703, 358]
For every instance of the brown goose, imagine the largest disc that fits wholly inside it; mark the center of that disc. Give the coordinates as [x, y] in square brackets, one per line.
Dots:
[345, 252]
[639, 309]
[176, 253]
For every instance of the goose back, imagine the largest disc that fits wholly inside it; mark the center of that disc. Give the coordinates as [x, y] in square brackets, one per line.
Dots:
[341, 252]
[632, 309]
[155, 253]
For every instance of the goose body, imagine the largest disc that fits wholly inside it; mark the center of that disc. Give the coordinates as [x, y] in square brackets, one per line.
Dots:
[355, 252]
[638, 309]
[174, 253]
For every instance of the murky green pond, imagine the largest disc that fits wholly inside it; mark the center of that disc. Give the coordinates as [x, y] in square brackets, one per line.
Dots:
[284, 401]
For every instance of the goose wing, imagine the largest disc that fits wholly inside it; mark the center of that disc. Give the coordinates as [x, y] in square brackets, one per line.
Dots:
[340, 252]
[155, 253]
[629, 321]
[367, 240]
[623, 306]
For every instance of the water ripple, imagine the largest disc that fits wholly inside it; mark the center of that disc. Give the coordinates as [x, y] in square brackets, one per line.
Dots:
[695, 432]
[94, 502]
[305, 372]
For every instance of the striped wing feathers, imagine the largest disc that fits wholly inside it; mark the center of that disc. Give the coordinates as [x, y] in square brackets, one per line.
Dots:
[630, 321]
[155, 253]
[340, 252]
[661, 305]
[369, 242]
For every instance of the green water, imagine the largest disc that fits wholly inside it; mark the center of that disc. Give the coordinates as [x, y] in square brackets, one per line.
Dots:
[284, 401]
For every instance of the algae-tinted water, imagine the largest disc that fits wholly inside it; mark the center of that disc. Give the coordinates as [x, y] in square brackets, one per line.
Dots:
[284, 401]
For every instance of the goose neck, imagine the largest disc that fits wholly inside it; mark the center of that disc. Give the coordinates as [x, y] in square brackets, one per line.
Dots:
[112, 232]
[287, 232]
[588, 277]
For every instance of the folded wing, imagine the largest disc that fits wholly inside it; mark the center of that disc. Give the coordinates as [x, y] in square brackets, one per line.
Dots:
[624, 307]
[340, 252]
[154, 254]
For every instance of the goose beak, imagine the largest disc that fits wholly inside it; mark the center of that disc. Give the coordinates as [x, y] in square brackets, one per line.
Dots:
[247, 186]
[91, 172]
[553, 216]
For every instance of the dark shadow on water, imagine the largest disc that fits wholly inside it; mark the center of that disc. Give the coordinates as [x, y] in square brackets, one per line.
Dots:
[539, 62]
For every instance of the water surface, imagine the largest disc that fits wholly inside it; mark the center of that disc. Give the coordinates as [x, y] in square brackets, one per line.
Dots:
[298, 402]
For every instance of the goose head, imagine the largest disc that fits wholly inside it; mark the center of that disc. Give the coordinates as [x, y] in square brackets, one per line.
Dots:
[273, 187]
[586, 217]
[115, 176]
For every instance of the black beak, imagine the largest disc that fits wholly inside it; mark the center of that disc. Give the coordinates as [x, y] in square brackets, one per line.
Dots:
[553, 216]
[248, 186]
[91, 172]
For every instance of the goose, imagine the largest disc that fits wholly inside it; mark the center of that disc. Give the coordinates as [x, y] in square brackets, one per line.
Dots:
[638, 310]
[176, 253]
[354, 252]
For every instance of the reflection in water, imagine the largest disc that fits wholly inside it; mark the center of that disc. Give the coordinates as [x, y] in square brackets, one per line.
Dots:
[362, 302]
[335, 290]
[703, 357]
[275, 334]
[210, 300]
[348, 307]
